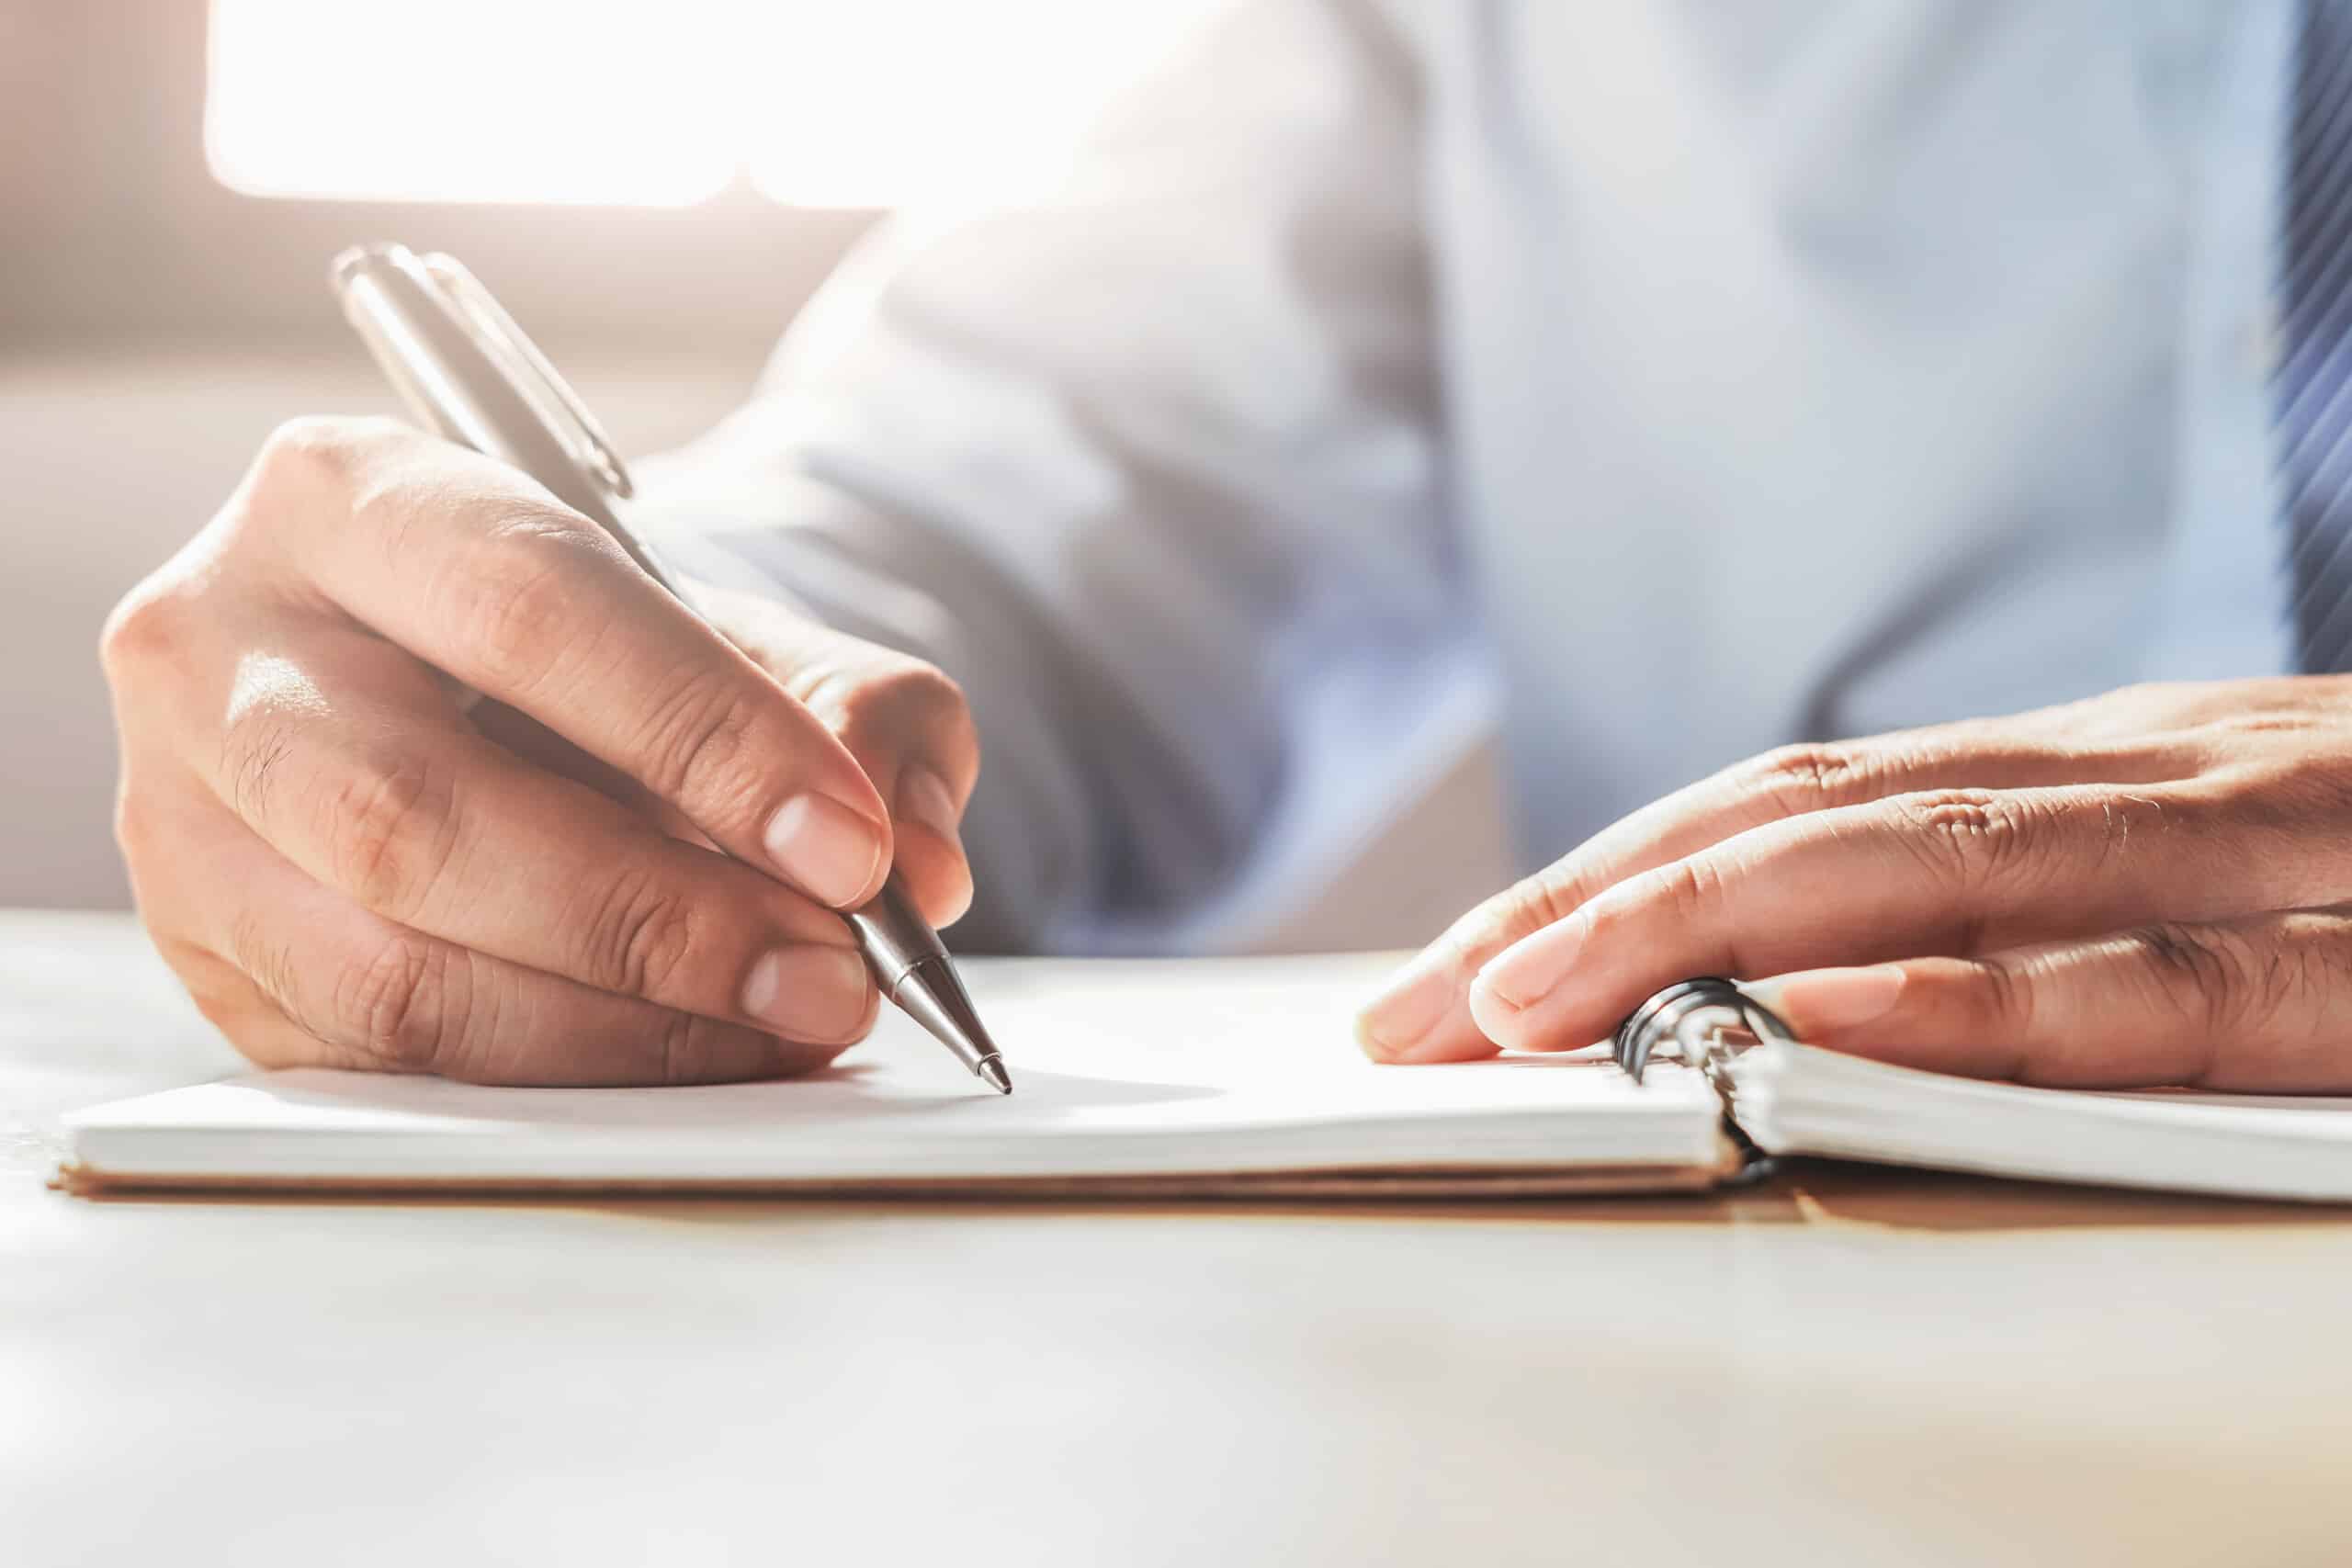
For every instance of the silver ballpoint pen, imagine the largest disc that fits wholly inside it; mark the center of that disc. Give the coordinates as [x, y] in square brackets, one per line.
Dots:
[466, 370]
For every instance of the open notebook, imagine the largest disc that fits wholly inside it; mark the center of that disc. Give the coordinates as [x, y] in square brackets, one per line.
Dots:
[1189, 1078]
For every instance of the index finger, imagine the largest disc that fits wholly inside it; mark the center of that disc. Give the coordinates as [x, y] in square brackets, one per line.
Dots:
[1424, 1014]
[474, 569]
[1947, 872]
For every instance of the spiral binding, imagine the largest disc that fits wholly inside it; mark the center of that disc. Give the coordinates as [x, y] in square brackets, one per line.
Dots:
[1710, 1021]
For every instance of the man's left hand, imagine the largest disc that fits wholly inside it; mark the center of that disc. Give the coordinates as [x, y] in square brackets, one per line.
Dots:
[2153, 886]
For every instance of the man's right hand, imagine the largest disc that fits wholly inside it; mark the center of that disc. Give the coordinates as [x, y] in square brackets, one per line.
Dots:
[348, 866]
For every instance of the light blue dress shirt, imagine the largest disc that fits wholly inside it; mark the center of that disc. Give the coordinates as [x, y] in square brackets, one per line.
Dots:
[1659, 381]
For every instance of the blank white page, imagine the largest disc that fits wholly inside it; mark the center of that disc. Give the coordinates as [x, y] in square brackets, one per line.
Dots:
[1169, 1068]
[1799, 1099]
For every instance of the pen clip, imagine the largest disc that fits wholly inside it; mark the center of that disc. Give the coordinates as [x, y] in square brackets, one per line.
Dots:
[566, 417]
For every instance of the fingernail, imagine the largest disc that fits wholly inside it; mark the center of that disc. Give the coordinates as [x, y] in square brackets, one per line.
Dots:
[829, 850]
[808, 993]
[1414, 1002]
[1525, 972]
[924, 798]
[1822, 1001]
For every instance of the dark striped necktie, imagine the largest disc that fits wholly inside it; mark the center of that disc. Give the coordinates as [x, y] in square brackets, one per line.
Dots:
[2314, 386]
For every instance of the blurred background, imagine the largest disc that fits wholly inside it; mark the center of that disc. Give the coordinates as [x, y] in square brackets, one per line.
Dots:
[174, 175]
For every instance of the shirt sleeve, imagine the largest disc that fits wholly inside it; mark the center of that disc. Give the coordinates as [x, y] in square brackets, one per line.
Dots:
[1148, 461]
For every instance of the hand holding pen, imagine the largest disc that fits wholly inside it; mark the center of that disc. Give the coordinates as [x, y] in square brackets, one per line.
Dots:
[348, 867]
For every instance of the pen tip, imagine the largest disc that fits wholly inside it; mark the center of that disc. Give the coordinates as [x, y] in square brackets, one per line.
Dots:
[992, 1070]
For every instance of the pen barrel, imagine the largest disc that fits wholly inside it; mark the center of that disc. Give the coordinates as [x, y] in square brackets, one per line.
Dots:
[893, 937]
[438, 365]
[468, 384]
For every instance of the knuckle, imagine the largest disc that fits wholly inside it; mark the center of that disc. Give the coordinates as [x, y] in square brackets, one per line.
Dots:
[1691, 888]
[1529, 904]
[517, 603]
[2286, 980]
[1688, 895]
[302, 451]
[703, 747]
[1694, 895]
[2005, 991]
[1968, 835]
[389, 828]
[315, 450]
[1808, 776]
[1520, 911]
[639, 937]
[2201, 964]
[150, 627]
[2238, 731]
[399, 1006]
[1544, 899]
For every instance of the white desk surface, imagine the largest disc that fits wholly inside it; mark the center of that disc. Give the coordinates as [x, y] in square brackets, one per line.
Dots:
[1847, 1366]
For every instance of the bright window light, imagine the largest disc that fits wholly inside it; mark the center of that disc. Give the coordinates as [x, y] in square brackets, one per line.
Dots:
[884, 102]
[473, 100]
[834, 102]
